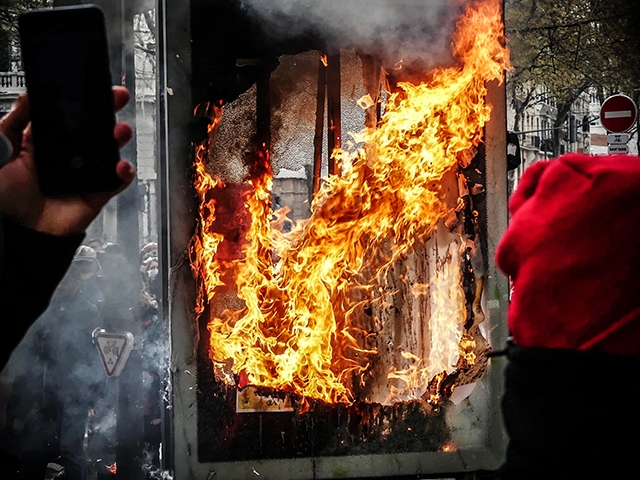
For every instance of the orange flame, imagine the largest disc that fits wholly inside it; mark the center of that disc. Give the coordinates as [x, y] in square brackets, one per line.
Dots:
[304, 290]
[205, 242]
[113, 469]
[445, 326]
[465, 348]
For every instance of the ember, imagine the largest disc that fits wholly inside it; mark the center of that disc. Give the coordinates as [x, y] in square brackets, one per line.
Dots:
[113, 469]
[303, 293]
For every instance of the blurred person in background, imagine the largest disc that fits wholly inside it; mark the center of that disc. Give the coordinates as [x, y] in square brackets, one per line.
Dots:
[148, 251]
[85, 263]
[95, 243]
[151, 411]
[74, 378]
[59, 377]
[115, 312]
[151, 269]
[144, 277]
[152, 351]
[149, 312]
[150, 288]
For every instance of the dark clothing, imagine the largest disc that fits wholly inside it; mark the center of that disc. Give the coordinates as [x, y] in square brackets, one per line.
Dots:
[152, 413]
[73, 362]
[64, 380]
[30, 446]
[31, 266]
[74, 373]
[570, 414]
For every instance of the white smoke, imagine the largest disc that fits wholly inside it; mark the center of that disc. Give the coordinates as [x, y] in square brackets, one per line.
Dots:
[409, 30]
[151, 471]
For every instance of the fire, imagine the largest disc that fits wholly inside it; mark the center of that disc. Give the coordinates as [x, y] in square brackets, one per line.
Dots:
[303, 291]
[205, 243]
[445, 326]
[113, 469]
[465, 348]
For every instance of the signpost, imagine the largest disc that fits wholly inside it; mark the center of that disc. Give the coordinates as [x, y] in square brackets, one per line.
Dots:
[618, 149]
[618, 115]
[114, 350]
[618, 138]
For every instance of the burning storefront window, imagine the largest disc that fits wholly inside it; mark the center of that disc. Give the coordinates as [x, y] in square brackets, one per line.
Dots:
[368, 295]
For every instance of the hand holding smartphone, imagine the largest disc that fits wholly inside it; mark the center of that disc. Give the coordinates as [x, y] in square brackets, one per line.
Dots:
[71, 103]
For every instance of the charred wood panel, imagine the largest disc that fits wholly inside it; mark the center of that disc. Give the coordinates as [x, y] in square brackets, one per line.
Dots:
[324, 430]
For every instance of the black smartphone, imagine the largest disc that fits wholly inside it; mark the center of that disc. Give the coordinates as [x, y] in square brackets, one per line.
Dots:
[67, 73]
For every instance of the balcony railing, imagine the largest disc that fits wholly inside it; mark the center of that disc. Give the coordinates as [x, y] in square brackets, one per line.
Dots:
[12, 82]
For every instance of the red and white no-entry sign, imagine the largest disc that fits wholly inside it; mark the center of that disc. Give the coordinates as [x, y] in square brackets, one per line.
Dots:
[618, 113]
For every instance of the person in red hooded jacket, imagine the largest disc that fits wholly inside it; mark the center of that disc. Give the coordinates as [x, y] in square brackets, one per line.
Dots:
[572, 251]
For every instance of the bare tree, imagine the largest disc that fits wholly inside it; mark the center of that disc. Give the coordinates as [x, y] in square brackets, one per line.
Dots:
[9, 39]
[570, 46]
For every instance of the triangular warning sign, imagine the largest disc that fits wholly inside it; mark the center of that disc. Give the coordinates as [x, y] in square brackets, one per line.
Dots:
[114, 350]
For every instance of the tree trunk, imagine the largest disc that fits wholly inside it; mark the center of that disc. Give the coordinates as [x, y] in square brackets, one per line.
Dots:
[5, 52]
[563, 114]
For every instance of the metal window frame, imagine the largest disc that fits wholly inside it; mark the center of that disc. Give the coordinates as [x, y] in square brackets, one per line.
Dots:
[178, 207]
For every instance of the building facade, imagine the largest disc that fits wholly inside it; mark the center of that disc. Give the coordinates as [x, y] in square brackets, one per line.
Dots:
[582, 132]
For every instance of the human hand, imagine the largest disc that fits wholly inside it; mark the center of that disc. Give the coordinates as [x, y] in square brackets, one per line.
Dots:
[20, 195]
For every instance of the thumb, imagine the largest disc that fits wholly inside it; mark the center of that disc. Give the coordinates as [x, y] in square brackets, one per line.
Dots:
[13, 124]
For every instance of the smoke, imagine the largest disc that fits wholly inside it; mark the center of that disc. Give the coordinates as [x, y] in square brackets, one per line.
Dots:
[153, 472]
[411, 31]
[156, 361]
[106, 425]
[56, 375]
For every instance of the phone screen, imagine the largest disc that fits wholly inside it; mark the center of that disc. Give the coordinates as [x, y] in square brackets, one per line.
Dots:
[66, 65]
